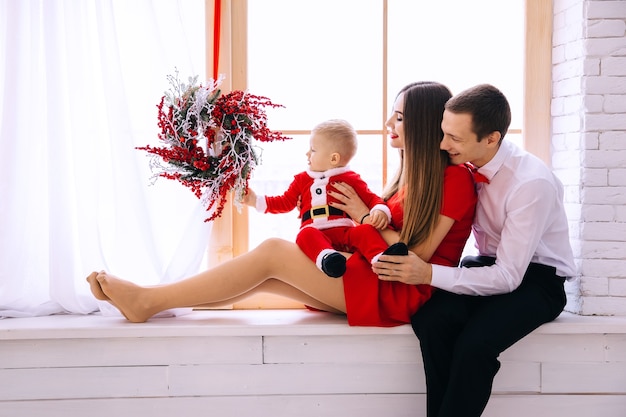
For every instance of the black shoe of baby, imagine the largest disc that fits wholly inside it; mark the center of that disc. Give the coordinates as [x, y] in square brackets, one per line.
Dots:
[398, 249]
[334, 264]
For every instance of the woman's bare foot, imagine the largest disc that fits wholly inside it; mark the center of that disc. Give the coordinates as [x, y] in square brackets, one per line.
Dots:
[127, 297]
[97, 292]
[94, 285]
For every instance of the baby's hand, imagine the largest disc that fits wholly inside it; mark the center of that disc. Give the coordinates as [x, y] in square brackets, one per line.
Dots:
[250, 198]
[378, 219]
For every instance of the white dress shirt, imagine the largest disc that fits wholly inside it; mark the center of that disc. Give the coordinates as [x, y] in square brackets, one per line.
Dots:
[520, 219]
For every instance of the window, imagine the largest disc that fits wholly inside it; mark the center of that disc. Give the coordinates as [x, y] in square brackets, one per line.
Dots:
[329, 59]
[348, 58]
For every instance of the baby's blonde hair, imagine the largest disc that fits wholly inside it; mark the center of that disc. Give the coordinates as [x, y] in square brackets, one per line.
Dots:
[341, 134]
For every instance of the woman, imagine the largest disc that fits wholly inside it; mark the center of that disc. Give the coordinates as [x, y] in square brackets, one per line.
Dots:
[432, 204]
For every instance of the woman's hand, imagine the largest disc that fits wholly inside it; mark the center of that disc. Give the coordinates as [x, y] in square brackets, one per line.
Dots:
[348, 201]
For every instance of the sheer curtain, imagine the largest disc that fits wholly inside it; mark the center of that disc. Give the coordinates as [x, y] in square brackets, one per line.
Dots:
[79, 84]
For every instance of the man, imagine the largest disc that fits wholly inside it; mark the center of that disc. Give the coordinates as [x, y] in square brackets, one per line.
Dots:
[516, 284]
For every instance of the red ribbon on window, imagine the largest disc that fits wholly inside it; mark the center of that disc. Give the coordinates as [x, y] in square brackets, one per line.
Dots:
[217, 12]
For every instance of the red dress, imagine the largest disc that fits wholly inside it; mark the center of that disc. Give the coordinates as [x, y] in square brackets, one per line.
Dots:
[372, 302]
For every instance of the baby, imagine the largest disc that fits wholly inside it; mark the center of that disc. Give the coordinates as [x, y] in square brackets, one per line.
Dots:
[326, 230]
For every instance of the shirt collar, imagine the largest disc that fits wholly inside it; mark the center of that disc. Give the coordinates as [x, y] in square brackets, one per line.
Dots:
[491, 168]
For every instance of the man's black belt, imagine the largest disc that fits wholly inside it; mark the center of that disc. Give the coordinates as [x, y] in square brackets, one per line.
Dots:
[322, 211]
[481, 260]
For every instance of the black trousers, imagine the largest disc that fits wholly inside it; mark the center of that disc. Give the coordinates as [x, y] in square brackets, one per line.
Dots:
[461, 336]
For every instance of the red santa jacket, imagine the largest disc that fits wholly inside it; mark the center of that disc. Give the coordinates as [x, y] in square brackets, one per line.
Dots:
[312, 189]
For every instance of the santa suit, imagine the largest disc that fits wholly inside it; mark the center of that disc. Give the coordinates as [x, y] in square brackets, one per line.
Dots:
[325, 228]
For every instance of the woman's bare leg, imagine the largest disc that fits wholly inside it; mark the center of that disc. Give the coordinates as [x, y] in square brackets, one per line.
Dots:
[274, 258]
[276, 287]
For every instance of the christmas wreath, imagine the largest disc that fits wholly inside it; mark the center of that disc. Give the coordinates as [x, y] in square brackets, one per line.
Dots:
[208, 140]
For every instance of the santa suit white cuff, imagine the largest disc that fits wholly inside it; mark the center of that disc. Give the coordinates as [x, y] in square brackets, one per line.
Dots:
[260, 204]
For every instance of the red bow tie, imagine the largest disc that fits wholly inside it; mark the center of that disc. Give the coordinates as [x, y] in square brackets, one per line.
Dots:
[478, 177]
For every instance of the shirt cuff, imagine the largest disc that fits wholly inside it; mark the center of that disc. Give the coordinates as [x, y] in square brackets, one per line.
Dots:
[444, 277]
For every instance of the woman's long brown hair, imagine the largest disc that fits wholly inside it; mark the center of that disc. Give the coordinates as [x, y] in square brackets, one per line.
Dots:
[422, 163]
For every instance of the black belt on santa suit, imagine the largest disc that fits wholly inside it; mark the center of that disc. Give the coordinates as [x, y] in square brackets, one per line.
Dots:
[322, 211]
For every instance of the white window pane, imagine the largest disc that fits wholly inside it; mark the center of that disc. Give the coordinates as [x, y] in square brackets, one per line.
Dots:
[321, 59]
[368, 161]
[459, 43]
[280, 161]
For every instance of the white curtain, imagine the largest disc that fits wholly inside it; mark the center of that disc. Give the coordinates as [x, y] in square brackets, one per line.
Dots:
[79, 84]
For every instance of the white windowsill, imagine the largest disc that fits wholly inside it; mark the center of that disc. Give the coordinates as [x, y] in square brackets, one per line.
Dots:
[249, 323]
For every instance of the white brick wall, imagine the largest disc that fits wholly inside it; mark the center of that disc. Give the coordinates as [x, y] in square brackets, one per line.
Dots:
[589, 146]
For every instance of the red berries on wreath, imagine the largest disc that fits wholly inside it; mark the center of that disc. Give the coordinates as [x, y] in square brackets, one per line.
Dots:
[208, 140]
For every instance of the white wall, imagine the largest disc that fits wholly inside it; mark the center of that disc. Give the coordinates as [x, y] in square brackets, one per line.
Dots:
[589, 146]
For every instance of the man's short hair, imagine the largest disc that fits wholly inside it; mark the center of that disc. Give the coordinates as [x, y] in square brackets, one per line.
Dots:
[488, 107]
